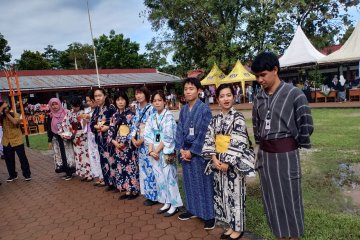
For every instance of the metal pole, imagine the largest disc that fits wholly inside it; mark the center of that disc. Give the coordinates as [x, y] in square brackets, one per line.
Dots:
[92, 39]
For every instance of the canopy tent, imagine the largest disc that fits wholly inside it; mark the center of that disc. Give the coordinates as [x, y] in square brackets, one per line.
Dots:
[300, 51]
[214, 76]
[238, 74]
[349, 52]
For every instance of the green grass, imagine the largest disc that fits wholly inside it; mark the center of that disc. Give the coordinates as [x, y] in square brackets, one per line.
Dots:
[335, 140]
[38, 142]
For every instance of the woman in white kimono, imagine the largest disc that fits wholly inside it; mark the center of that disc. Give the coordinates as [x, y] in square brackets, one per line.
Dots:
[159, 137]
[232, 158]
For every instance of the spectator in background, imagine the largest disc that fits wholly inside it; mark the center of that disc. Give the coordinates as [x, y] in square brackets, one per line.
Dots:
[341, 89]
[12, 141]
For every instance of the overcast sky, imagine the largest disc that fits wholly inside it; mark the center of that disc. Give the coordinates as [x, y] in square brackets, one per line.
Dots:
[34, 24]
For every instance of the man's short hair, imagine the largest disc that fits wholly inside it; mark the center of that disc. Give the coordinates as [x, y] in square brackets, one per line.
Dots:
[193, 81]
[265, 61]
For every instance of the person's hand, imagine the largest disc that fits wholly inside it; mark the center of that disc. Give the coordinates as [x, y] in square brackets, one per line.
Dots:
[185, 155]
[224, 167]
[217, 163]
[154, 155]
[49, 145]
[134, 142]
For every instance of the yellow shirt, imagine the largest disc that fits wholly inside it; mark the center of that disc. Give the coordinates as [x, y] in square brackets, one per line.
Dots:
[12, 133]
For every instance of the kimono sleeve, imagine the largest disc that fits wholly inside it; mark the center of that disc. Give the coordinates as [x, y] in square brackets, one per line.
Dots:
[169, 132]
[65, 124]
[179, 132]
[112, 129]
[303, 120]
[149, 131]
[202, 125]
[135, 121]
[130, 123]
[209, 144]
[256, 121]
[93, 120]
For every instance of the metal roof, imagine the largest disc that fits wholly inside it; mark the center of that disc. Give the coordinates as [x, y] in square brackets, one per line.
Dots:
[55, 80]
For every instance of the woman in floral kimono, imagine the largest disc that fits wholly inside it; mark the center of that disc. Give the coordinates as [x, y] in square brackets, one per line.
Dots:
[232, 158]
[63, 149]
[146, 175]
[92, 146]
[125, 169]
[160, 139]
[99, 124]
[75, 123]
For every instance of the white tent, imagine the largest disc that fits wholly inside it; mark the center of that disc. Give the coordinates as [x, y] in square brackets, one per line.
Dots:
[349, 52]
[300, 51]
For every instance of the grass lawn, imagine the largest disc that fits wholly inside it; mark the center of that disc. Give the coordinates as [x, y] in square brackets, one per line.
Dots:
[335, 140]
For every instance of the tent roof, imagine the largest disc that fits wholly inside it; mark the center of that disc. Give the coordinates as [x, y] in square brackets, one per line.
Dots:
[238, 74]
[300, 51]
[214, 76]
[350, 51]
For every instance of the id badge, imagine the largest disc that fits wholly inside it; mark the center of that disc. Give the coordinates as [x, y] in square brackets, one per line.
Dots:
[191, 131]
[267, 124]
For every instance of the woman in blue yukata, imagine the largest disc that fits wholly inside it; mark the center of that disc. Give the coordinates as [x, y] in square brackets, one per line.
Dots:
[147, 178]
[159, 135]
[125, 169]
[99, 124]
[227, 146]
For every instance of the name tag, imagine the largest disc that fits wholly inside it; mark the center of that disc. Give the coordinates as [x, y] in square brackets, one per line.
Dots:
[191, 131]
[267, 124]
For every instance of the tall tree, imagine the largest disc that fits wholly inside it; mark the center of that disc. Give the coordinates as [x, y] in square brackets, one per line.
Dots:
[115, 51]
[32, 61]
[5, 56]
[52, 55]
[77, 55]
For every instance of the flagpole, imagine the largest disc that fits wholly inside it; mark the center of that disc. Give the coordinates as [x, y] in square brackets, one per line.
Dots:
[92, 39]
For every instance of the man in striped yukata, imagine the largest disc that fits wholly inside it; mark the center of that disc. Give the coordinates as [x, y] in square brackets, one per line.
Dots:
[282, 124]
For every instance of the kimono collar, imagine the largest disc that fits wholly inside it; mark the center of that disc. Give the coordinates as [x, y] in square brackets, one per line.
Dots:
[165, 110]
[231, 111]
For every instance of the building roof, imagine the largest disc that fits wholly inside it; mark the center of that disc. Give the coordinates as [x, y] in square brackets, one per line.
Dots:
[60, 80]
[300, 51]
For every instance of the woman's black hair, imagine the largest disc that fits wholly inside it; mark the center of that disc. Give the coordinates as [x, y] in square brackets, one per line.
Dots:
[90, 94]
[223, 86]
[76, 101]
[123, 95]
[265, 61]
[107, 100]
[193, 81]
[160, 93]
[145, 91]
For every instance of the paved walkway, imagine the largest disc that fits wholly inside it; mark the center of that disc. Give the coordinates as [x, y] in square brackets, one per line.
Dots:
[50, 208]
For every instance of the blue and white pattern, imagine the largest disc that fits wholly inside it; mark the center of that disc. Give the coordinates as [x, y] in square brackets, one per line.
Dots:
[165, 174]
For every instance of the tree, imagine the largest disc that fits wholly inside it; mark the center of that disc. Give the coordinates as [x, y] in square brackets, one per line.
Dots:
[115, 51]
[5, 56]
[32, 61]
[347, 34]
[204, 32]
[155, 54]
[52, 55]
[81, 54]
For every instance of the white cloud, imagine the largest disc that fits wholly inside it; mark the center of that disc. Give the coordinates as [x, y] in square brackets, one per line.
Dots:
[32, 25]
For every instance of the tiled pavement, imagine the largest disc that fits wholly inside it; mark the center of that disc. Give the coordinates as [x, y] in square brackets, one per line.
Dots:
[50, 208]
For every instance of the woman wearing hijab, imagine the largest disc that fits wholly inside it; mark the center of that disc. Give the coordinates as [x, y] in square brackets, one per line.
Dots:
[63, 149]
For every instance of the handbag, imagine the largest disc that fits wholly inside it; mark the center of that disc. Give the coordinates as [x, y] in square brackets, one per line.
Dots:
[170, 158]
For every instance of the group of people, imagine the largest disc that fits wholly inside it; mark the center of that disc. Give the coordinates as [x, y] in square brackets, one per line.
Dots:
[136, 152]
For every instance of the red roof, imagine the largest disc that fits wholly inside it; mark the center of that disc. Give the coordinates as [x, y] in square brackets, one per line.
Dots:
[80, 72]
[330, 49]
[195, 73]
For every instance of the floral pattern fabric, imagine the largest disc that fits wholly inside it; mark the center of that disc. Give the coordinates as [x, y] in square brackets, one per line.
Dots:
[125, 170]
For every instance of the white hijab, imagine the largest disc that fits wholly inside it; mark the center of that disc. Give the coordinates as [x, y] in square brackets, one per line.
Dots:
[342, 80]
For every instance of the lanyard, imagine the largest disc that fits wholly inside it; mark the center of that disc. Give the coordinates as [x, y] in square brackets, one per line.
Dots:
[158, 124]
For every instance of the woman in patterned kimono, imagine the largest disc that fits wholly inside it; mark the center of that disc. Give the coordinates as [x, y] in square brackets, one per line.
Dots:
[92, 146]
[99, 124]
[63, 150]
[73, 122]
[160, 139]
[227, 145]
[147, 178]
[125, 169]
